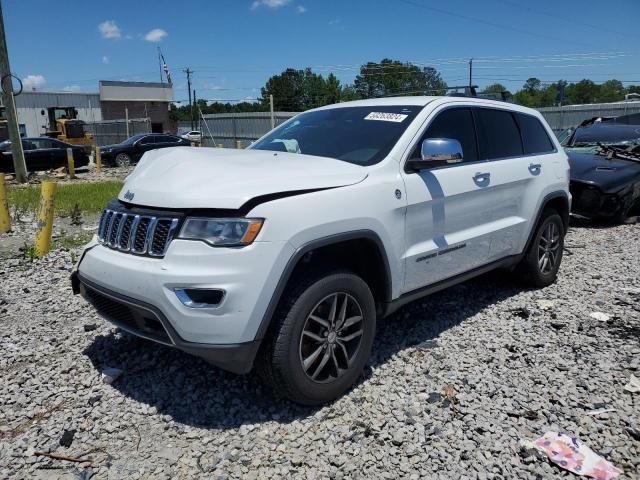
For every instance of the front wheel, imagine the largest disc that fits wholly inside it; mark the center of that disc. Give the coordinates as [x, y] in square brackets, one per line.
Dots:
[539, 267]
[321, 340]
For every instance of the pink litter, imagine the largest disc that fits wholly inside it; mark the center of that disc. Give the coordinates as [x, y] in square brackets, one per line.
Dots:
[570, 454]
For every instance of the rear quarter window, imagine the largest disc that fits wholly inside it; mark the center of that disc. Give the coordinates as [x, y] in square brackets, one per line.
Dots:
[498, 134]
[534, 136]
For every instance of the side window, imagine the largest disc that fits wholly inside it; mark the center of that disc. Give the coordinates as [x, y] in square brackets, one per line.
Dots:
[457, 124]
[147, 140]
[498, 134]
[534, 135]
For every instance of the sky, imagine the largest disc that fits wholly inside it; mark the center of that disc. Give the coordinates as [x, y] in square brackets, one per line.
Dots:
[234, 46]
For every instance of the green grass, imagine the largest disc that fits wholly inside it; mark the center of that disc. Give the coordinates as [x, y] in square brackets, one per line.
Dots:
[89, 197]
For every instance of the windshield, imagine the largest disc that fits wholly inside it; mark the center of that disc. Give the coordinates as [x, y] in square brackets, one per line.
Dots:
[131, 140]
[360, 135]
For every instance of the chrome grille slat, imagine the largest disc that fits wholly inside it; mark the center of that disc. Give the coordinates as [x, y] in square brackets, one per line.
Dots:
[137, 234]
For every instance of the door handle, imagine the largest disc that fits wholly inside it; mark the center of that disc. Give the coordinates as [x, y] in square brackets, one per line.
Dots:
[482, 178]
[535, 168]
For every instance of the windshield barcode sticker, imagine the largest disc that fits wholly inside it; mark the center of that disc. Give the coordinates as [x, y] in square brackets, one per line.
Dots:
[386, 117]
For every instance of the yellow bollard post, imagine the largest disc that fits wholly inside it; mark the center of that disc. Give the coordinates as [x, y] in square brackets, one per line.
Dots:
[98, 160]
[220, 145]
[45, 218]
[71, 164]
[238, 144]
[5, 221]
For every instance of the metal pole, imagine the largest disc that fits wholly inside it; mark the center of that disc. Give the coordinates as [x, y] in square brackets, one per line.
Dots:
[126, 119]
[5, 220]
[45, 218]
[273, 118]
[17, 152]
[195, 104]
[470, 73]
[188, 71]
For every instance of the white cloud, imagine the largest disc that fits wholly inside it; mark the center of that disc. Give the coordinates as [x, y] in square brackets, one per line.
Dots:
[301, 9]
[33, 82]
[105, 60]
[109, 29]
[269, 3]
[71, 88]
[155, 35]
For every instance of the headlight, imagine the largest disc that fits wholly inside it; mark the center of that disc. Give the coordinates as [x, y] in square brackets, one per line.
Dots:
[222, 232]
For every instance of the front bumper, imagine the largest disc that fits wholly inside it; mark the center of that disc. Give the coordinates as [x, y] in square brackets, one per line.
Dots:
[589, 201]
[148, 322]
[138, 294]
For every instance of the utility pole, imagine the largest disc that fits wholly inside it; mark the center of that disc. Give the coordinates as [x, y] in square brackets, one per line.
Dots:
[470, 73]
[9, 102]
[188, 71]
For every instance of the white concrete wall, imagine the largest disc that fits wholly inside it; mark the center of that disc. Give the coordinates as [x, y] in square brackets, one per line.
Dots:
[34, 121]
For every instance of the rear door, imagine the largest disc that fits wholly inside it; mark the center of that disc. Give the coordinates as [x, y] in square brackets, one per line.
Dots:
[446, 228]
[514, 145]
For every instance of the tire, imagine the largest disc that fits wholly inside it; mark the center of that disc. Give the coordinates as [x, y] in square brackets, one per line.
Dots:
[304, 367]
[122, 160]
[547, 242]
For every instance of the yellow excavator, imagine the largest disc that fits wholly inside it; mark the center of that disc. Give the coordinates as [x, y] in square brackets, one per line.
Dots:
[65, 126]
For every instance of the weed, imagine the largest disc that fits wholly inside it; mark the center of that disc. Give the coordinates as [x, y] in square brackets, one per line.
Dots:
[73, 199]
[29, 252]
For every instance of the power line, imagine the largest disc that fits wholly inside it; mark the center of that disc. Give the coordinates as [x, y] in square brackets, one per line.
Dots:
[486, 22]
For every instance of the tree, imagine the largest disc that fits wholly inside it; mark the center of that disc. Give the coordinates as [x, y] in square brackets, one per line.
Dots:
[611, 91]
[585, 91]
[299, 90]
[392, 77]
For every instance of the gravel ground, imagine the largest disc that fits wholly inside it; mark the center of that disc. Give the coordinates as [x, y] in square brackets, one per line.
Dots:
[455, 383]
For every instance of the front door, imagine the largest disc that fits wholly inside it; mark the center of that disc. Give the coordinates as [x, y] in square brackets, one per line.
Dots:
[446, 229]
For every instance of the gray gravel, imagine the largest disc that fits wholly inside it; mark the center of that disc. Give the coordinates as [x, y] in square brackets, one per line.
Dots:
[456, 381]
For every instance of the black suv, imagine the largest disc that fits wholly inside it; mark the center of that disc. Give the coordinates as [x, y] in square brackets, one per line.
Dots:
[132, 149]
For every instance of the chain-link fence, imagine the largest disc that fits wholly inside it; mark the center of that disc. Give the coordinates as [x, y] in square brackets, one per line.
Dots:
[228, 128]
[108, 132]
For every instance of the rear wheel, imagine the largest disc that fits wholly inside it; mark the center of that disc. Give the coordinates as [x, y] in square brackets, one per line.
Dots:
[322, 339]
[539, 267]
[123, 160]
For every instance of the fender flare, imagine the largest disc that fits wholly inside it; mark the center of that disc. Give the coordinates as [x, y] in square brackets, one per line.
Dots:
[545, 201]
[312, 245]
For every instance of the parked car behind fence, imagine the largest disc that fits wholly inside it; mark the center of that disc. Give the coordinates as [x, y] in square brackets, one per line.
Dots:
[42, 153]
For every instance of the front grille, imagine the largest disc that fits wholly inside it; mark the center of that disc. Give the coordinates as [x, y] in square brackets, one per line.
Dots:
[135, 233]
[136, 320]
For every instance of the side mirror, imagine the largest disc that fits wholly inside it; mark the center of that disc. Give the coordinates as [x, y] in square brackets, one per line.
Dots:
[436, 151]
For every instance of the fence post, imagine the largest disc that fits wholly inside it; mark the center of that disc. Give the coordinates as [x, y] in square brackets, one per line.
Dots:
[70, 163]
[45, 218]
[5, 220]
[98, 160]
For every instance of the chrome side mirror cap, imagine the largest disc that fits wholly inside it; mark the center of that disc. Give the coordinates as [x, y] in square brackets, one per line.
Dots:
[436, 152]
[441, 150]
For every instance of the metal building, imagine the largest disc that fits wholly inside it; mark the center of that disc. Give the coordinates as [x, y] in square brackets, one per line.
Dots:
[150, 100]
[32, 108]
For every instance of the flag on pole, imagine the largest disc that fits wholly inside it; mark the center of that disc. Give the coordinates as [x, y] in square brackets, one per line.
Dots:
[165, 68]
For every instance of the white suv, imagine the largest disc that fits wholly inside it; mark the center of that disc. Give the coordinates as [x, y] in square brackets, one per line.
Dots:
[286, 254]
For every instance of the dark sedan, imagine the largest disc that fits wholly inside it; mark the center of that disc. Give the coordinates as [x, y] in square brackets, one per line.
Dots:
[604, 155]
[132, 149]
[43, 153]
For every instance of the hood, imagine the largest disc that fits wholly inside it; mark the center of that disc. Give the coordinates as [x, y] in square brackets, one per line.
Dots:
[183, 177]
[609, 175]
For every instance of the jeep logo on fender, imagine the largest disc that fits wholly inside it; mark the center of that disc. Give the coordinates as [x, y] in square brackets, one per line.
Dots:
[129, 195]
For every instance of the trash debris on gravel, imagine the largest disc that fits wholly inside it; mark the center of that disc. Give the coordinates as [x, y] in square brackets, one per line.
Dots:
[574, 456]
